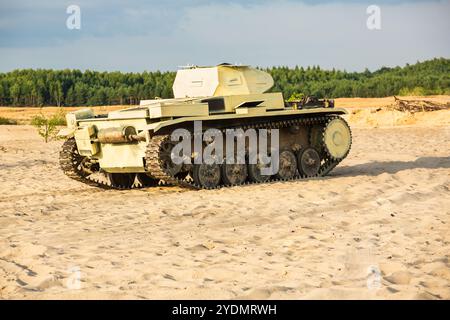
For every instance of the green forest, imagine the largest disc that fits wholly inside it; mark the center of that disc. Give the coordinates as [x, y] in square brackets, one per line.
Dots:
[29, 87]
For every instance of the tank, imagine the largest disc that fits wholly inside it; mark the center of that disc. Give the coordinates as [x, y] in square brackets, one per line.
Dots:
[135, 147]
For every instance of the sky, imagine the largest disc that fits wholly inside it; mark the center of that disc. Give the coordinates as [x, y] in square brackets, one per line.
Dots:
[135, 36]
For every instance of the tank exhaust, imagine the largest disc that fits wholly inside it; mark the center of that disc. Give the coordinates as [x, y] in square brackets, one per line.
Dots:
[125, 134]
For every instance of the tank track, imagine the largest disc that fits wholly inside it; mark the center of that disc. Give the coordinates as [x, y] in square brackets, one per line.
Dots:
[69, 161]
[155, 169]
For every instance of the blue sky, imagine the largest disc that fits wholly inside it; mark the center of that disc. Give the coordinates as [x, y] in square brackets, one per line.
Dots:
[148, 35]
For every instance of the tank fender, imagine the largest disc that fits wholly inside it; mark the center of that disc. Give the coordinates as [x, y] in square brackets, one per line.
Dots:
[66, 133]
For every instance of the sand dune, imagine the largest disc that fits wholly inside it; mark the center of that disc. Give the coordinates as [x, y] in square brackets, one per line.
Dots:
[377, 228]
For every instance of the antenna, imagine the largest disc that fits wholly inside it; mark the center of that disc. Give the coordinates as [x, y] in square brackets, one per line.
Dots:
[188, 66]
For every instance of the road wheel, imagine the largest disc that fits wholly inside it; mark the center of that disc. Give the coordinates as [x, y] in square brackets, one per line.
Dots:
[207, 175]
[255, 174]
[287, 165]
[234, 174]
[308, 162]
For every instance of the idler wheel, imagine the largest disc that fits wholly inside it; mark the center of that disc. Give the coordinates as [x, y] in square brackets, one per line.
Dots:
[308, 161]
[287, 165]
[69, 157]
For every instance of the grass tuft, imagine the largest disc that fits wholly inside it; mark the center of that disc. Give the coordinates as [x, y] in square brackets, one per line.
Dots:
[6, 121]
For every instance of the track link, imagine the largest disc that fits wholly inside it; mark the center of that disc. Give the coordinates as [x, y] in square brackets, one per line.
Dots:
[70, 162]
[154, 167]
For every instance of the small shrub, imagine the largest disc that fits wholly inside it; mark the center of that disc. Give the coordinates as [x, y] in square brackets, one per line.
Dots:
[296, 97]
[416, 91]
[6, 121]
[47, 127]
[60, 118]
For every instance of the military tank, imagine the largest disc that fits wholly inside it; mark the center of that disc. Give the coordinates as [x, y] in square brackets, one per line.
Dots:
[133, 147]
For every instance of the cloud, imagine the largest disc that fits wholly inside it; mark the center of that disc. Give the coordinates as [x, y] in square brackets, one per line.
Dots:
[137, 36]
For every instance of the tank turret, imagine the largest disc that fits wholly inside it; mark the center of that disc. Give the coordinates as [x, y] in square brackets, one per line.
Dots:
[221, 80]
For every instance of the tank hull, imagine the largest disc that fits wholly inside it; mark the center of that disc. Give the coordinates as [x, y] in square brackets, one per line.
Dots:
[129, 148]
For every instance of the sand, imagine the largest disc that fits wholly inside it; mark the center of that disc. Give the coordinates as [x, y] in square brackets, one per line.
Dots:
[377, 228]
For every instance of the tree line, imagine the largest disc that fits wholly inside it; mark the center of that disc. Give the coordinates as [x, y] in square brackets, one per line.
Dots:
[29, 87]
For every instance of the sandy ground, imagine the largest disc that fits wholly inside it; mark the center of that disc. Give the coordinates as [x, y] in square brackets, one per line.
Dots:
[378, 227]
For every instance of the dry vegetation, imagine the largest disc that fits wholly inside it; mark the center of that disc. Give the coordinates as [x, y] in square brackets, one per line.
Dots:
[364, 103]
[24, 115]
